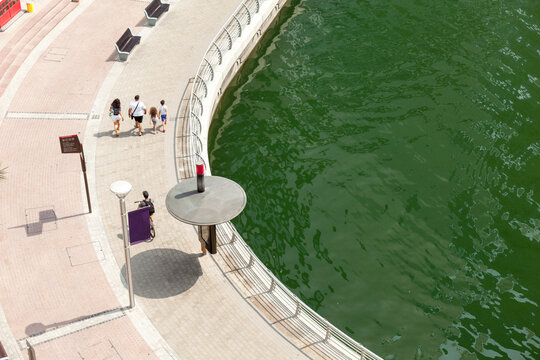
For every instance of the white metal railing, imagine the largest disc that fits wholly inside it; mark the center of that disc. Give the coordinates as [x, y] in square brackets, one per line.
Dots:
[287, 304]
[234, 27]
[314, 328]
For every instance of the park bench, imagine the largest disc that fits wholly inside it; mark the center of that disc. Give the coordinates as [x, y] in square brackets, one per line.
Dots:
[154, 10]
[126, 43]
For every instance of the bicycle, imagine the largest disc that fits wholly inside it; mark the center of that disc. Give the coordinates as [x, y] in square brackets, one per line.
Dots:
[142, 204]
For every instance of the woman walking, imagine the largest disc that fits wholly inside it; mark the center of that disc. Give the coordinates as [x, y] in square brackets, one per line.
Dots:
[115, 112]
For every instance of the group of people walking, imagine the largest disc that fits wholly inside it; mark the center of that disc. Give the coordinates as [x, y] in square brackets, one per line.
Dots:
[136, 111]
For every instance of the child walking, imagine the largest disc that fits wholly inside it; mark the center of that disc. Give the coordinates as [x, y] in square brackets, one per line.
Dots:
[153, 117]
[163, 114]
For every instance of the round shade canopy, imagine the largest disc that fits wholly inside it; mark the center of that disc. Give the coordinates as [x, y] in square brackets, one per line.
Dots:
[222, 200]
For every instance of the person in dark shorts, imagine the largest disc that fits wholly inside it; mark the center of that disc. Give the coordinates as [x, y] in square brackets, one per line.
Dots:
[136, 111]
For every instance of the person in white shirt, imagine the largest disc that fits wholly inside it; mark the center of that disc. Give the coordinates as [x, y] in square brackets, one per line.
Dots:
[136, 111]
[163, 114]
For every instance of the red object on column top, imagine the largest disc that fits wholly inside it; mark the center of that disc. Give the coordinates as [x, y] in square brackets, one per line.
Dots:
[200, 169]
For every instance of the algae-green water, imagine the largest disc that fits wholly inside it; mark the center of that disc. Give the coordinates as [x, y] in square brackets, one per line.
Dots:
[390, 154]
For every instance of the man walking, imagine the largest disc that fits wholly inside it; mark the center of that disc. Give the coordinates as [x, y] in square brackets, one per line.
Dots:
[136, 111]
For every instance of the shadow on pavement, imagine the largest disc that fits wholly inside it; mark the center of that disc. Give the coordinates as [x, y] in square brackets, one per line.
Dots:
[113, 57]
[127, 131]
[142, 22]
[39, 221]
[162, 273]
[40, 328]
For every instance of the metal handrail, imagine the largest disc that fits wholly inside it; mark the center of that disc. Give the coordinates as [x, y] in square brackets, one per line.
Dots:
[265, 281]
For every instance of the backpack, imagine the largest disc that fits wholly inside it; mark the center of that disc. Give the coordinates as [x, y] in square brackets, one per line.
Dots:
[150, 204]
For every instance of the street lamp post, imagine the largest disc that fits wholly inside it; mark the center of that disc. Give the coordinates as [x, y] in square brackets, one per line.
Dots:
[121, 189]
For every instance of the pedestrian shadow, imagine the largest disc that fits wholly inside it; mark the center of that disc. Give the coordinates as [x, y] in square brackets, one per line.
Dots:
[162, 273]
[129, 132]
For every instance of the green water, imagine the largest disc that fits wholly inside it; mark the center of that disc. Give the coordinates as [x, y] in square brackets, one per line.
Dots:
[390, 153]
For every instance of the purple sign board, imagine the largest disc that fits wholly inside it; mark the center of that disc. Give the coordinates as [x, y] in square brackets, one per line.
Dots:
[139, 225]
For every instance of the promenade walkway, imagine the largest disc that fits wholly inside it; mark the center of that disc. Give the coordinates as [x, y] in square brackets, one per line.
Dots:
[61, 280]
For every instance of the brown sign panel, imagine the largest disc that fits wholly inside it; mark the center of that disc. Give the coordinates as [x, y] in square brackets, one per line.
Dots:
[70, 144]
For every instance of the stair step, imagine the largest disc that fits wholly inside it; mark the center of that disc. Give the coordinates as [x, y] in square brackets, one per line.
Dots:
[16, 52]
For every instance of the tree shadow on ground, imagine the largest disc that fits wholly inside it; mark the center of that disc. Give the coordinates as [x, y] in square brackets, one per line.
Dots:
[162, 273]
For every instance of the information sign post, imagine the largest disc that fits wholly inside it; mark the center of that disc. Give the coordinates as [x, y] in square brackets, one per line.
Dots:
[69, 145]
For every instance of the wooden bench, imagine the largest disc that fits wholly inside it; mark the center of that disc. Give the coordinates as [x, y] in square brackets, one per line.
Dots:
[154, 10]
[126, 43]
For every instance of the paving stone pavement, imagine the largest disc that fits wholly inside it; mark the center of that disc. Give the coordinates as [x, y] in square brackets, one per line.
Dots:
[187, 297]
[51, 272]
[57, 267]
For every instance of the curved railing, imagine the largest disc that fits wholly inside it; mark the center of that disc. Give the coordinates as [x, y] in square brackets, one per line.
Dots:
[308, 327]
[219, 47]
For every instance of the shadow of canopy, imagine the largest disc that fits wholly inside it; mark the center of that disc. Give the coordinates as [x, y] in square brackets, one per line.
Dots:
[162, 273]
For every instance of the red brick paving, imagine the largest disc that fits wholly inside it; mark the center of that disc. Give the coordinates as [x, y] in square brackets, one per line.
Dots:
[50, 274]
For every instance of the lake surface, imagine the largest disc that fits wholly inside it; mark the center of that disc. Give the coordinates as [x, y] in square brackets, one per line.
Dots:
[390, 153]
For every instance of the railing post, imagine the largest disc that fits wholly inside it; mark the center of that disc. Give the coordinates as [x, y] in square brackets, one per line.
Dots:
[230, 38]
[328, 332]
[239, 26]
[198, 121]
[211, 68]
[200, 105]
[233, 238]
[219, 52]
[199, 149]
[272, 285]
[204, 84]
[248, 13]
